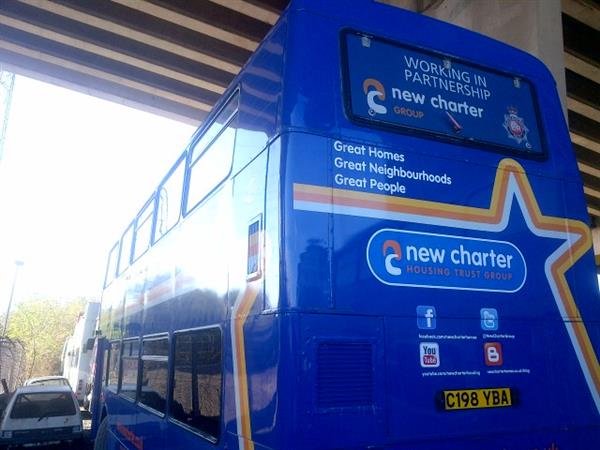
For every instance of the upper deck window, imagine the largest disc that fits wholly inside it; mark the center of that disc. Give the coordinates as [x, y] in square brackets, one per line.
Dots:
[217, 125]
[143, 229]
[211, 158]
[413, 90]
[169, 199]
[125, 254]
[111, 268]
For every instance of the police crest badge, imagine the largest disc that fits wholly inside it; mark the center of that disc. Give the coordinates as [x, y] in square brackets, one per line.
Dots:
[515, 126]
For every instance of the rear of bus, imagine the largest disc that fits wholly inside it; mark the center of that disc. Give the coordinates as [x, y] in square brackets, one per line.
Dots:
[438, 282]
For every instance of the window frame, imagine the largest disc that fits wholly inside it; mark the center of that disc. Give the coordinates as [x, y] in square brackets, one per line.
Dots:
[166, 359]
[191, 162]
[197, 432]
[137, 377]
[150, 202]
[108, 365]
[113, 252]
[233, 96]
[486, 146]
[181, 160]
[129, 228]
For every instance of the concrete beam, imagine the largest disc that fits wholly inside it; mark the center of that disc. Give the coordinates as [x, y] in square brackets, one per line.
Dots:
[110, 54]
[190, 23]
[102, 75]
[130, 33]
[582, 67]
[249, 9]
[591, 192]
[588, 169]
[583, 11]
[159, 110]
[585, 142]
[596, 242]
[584, 109]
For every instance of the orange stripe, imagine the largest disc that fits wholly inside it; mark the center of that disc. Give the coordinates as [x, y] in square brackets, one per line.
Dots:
[246, 303]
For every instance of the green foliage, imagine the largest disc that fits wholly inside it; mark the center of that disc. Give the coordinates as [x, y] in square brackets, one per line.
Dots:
[43, 325]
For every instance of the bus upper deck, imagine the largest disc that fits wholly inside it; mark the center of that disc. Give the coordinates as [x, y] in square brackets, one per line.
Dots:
[377, 239]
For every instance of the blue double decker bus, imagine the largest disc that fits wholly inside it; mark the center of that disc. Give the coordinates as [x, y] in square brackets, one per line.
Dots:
[377, 239]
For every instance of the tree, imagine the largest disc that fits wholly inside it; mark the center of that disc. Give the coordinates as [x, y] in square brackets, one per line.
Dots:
[43, 325]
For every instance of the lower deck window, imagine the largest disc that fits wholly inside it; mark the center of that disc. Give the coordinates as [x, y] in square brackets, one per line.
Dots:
[113, 364]
[197, 380]
[154, 376]
[129, 370]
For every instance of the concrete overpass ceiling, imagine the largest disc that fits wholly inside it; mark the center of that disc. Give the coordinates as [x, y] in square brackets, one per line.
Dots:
[176, 57]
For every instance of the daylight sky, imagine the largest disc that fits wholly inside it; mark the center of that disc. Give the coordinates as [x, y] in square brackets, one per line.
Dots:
[74, 172]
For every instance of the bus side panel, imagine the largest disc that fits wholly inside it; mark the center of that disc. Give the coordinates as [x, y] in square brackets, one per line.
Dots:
[187, 279]
[306, 237]
[243, 378]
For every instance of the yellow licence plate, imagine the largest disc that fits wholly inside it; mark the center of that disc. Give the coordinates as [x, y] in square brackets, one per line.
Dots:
[477, 398]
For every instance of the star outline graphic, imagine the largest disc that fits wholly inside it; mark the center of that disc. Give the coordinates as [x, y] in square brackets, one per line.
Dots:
[510, 183]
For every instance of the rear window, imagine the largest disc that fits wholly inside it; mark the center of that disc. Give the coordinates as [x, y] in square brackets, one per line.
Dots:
[43, 404]
[417, 91]
[58, 382]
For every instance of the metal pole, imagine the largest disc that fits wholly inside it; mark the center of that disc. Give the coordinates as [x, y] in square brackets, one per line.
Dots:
[12, 293]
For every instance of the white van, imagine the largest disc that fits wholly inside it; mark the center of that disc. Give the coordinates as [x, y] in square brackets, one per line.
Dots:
[76, 357]
[40, 415]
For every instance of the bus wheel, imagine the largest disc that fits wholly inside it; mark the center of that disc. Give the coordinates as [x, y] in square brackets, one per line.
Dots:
[101, 435]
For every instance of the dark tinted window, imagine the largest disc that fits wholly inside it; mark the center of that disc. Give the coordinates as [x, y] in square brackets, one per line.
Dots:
[50, 382]
[113, 364]
[197, 380]
[129, 371]
[46, 404]
[155, 361]
[105, 366]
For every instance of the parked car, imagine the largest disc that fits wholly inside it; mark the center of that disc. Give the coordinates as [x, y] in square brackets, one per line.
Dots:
[40, 415]
[47, 381]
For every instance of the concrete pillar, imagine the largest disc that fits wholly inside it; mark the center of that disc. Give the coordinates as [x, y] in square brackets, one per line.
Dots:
[533, 25]
[596, 242]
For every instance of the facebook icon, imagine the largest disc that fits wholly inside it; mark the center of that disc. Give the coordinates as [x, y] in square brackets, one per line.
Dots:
[426, 317]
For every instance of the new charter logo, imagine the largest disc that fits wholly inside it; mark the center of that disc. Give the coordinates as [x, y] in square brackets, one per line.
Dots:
[407, 258]
[374, 89]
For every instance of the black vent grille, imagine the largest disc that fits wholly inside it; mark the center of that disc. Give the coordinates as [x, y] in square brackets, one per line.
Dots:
[344, 374]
